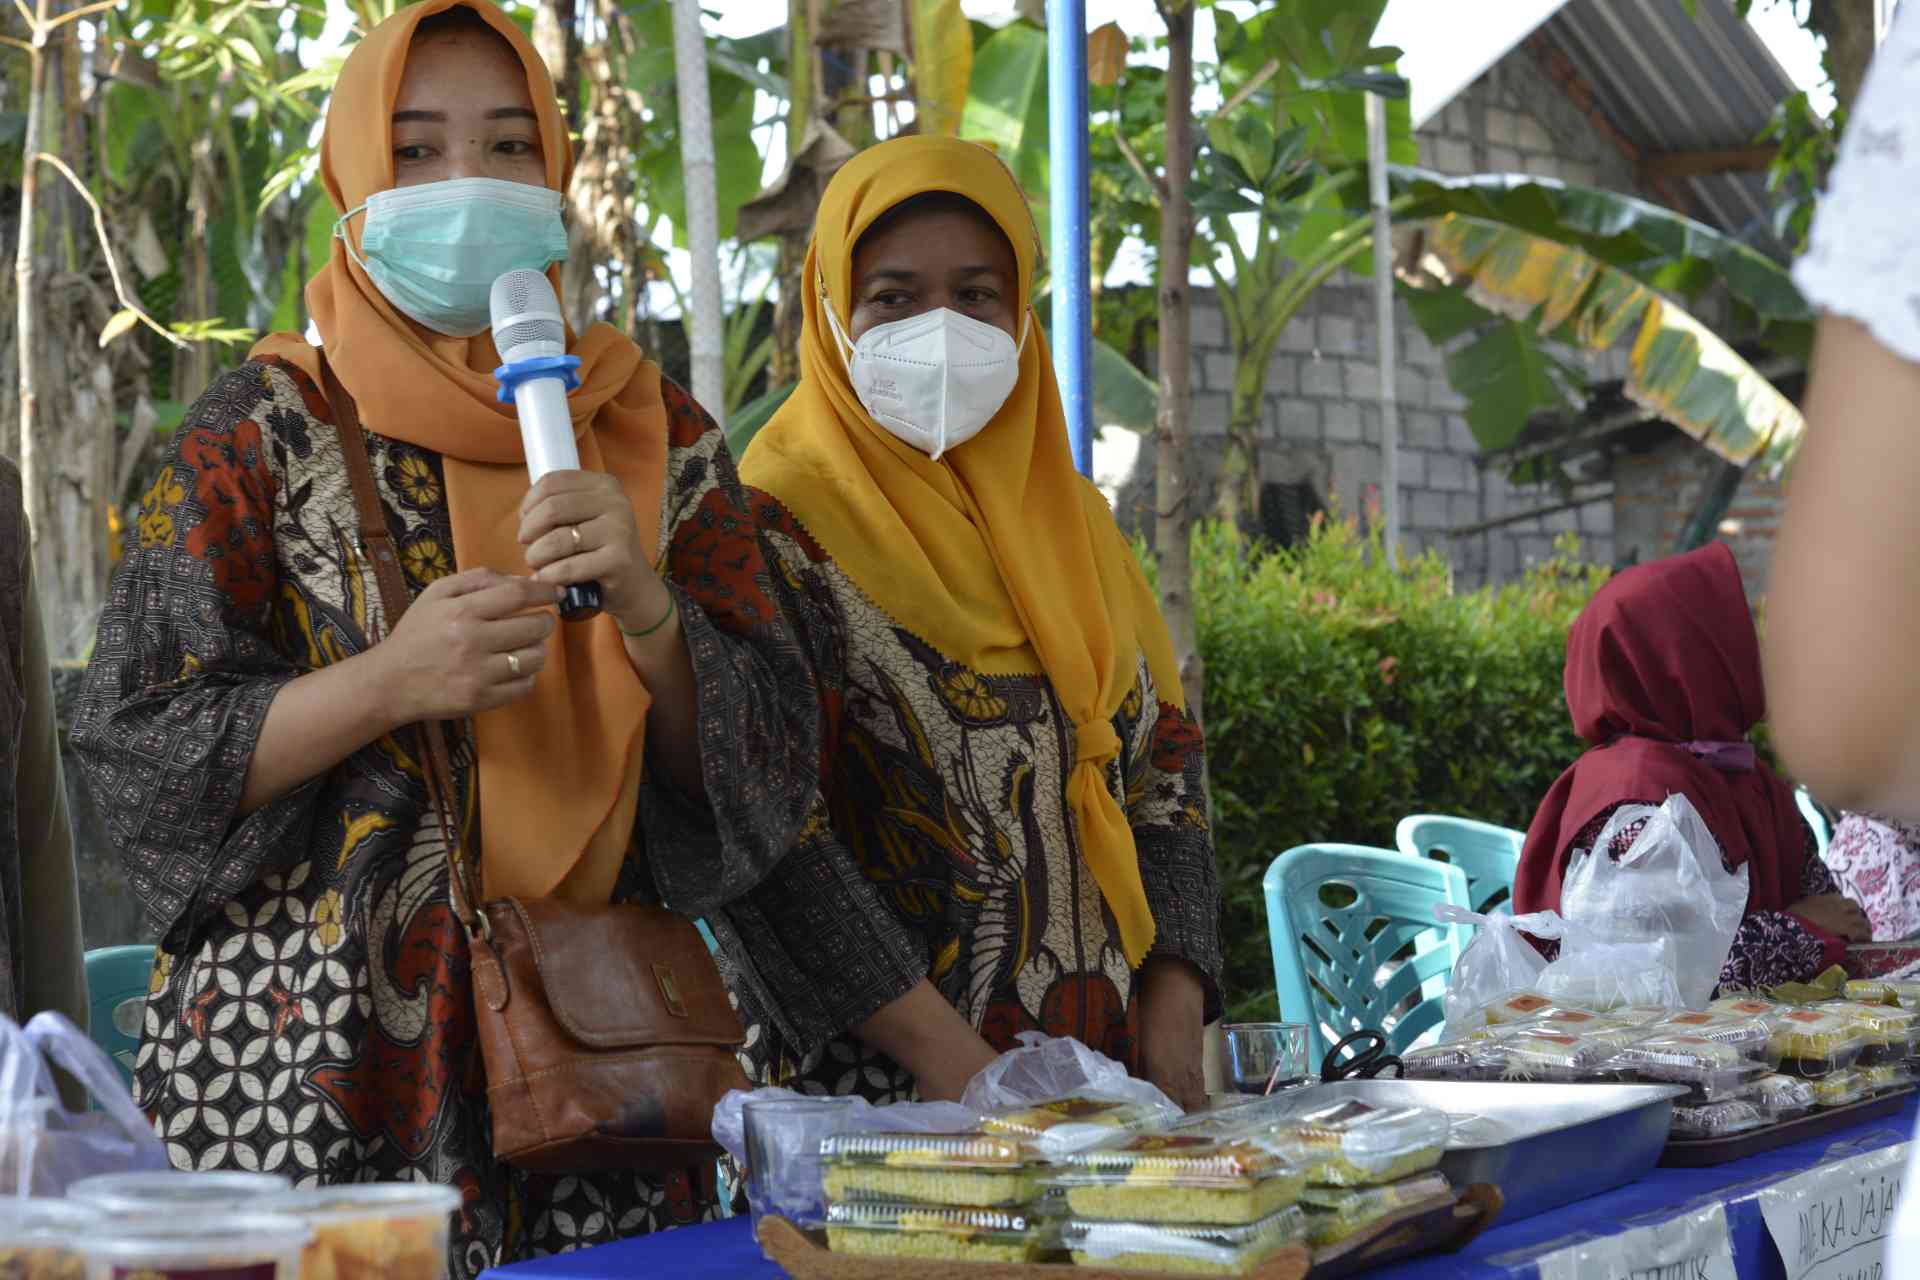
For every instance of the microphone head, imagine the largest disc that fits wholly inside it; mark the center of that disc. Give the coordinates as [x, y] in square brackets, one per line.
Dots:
[526, 317]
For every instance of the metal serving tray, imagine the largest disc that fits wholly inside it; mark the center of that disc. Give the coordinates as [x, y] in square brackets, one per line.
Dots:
[1543, 1145]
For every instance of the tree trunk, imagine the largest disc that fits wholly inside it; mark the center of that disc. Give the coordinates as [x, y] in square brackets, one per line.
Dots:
[1175, 498]
[706, 343]
[25, 270]
[1238, 501]
[1847, 27]
[802, 83]
[556, 34]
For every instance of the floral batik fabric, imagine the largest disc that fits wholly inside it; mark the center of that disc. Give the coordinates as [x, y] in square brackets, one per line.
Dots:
[1877, 864]
[311, 1011]
[943, 847]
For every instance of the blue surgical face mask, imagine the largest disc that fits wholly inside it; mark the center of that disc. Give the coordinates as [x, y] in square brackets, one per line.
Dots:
[435, 249]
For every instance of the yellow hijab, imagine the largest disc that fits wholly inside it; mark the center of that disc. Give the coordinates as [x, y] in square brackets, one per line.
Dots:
[999, 555]
[559, 770]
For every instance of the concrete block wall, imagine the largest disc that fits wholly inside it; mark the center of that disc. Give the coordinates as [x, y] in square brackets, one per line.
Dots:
[1656, 491]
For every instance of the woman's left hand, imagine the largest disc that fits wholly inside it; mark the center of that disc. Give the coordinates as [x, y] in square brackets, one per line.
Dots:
[1172, 1007]
[579, 526]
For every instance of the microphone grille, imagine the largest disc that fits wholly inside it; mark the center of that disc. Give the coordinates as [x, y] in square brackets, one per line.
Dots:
[526, 310]
[532, 329]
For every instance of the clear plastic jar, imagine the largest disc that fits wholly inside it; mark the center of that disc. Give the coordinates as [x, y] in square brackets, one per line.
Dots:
[163, 1192]
[197, 1245]
[39, 1239]
[372, 1231]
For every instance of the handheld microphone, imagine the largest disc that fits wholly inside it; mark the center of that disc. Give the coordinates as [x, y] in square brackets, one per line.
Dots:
[536, 373]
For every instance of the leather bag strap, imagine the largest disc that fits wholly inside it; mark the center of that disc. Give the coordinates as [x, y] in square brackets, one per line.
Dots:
[376, 543]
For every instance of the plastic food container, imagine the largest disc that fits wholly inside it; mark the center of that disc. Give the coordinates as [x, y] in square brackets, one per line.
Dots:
[969, 1169]
[1718, 1119]
[1336, 1213]
[1814, 1043]
[1841, 1088]
[1888, 1075]
[1066, 1125]
[1453, 1060]
[1890, 1031]
[1783, 1098]
[39, 1239]
[1715, 1071]
[1181, 1178]
[1356, 1144]
[1195, 1249]
[1746, 1032]
[1641, 1015]
[882, 1230]
[197, 1245]
[1531, 1004]
[372, 1231]
[1556, 1057]
[1749, 1006]
[163, 1192]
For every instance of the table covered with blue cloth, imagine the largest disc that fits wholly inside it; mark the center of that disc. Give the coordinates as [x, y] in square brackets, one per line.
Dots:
[727, 1251]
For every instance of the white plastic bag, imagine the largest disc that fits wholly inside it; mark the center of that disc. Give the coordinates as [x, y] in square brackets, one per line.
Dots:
[1044, 1068]
[1671, 886]
[1496, 963]
[1597, 973]
[45, 1148]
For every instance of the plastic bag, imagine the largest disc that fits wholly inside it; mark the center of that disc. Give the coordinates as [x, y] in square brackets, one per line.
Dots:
[1671, 885]
[1044, 1069]
[1600, 973]
[1496, 963]
[45, 1148]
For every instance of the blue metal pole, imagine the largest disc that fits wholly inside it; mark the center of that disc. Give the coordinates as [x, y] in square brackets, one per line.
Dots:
[1072, 258]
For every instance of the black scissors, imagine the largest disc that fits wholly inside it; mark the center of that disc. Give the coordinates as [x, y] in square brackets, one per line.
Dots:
[1366, 1063]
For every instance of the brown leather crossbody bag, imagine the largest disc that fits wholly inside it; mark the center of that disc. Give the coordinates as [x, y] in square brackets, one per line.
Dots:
[606, 1031]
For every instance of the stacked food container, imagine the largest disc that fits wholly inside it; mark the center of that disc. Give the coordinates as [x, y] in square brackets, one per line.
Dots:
[976, 1196]
[228, 1223]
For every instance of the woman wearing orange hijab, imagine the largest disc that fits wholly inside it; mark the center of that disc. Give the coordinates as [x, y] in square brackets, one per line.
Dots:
[244, 717]
[1013, 836]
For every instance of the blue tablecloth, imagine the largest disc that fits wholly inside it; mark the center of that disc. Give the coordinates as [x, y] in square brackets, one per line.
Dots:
[727, 1251]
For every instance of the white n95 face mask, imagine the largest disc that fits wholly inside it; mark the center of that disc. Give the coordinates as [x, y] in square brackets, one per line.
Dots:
[935, 379]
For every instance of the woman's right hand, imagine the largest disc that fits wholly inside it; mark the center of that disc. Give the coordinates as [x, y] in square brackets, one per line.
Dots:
[1837, 914]
[449, 657]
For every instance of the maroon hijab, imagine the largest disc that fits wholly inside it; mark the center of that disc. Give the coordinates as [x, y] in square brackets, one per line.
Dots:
[1662, 663]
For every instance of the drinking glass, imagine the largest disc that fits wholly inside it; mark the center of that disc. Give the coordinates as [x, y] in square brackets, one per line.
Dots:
[783, 1156]
[1265, 1057]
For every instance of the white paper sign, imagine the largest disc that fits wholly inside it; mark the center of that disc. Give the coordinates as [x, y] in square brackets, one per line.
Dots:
[1832, 1223]
[1695, 1246]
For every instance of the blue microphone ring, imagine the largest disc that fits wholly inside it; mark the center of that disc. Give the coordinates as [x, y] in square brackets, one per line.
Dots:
[512, 375]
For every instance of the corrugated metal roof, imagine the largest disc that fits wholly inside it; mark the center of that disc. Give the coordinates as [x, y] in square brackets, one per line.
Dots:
[1670, 82]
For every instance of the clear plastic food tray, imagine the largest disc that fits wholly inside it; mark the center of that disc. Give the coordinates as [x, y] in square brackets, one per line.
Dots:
[1201, 1250]
[886, 1230]
[1783, 1097]
[1713, 1071]
[1748, 1033]
[372, 1230]
[1064, 1125]
[1841, 1088]
[1552, 1056]
[1335, 1213]
[1453, 1060]
[1181, 1178]
[1531, 1004]
[969, 1169]
[1890, 1031]
[1814, 1043]
[1718, 1119]
[1353, 1143]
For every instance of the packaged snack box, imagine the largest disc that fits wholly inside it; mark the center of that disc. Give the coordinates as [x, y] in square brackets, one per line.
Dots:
[1748, 1033]
[1531, 1004]
[1840, 1088]
[1337, 1213]
[966, 1169]
[372, 1231]
[1890, 1031]
[1063, 1125]
[1814, 1043]
[197, 1245]
[881, 1230]
[1715, 1071]
[1783, 1097]
[1181, 1178]
[1192, 1249]
[1718, 1119]
[1351, 1144]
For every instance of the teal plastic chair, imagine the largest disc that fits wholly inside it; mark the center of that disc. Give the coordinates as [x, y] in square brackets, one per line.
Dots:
[117, 982]
[1490, 855]
[1822, 833]
[1354, 939]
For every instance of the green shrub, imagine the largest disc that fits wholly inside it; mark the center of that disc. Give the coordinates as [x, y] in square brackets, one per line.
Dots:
[1343, 694]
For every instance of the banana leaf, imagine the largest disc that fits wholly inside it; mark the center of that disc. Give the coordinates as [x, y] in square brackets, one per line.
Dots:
[1007, 104]
[942, 64]
[1677, 367]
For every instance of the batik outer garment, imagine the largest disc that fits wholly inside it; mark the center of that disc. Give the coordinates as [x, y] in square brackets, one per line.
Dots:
[943, 850]
[1877, 864]
[311, 1012]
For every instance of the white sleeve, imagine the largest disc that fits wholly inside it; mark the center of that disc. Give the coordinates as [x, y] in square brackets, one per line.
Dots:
[1863, 260]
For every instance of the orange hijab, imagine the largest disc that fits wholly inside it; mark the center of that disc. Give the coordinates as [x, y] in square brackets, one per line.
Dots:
[559, 770]
[999, 555]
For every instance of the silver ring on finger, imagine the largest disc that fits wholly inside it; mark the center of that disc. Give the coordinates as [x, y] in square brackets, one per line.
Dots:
[513, 664]
[574, 529]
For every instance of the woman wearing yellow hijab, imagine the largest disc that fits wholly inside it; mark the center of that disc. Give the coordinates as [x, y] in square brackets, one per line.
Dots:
[1012, 835]
[246, 714]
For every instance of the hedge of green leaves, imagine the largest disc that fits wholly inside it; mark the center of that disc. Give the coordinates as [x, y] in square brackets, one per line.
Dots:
[1343, 694]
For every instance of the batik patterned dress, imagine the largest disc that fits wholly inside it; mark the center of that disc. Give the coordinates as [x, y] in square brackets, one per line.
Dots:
[944, 849]
[311, 1010]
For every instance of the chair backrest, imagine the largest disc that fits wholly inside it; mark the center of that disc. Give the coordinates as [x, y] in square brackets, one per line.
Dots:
[1354, 940]
[1489, 855]
[117, 982]
[1822, 833]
